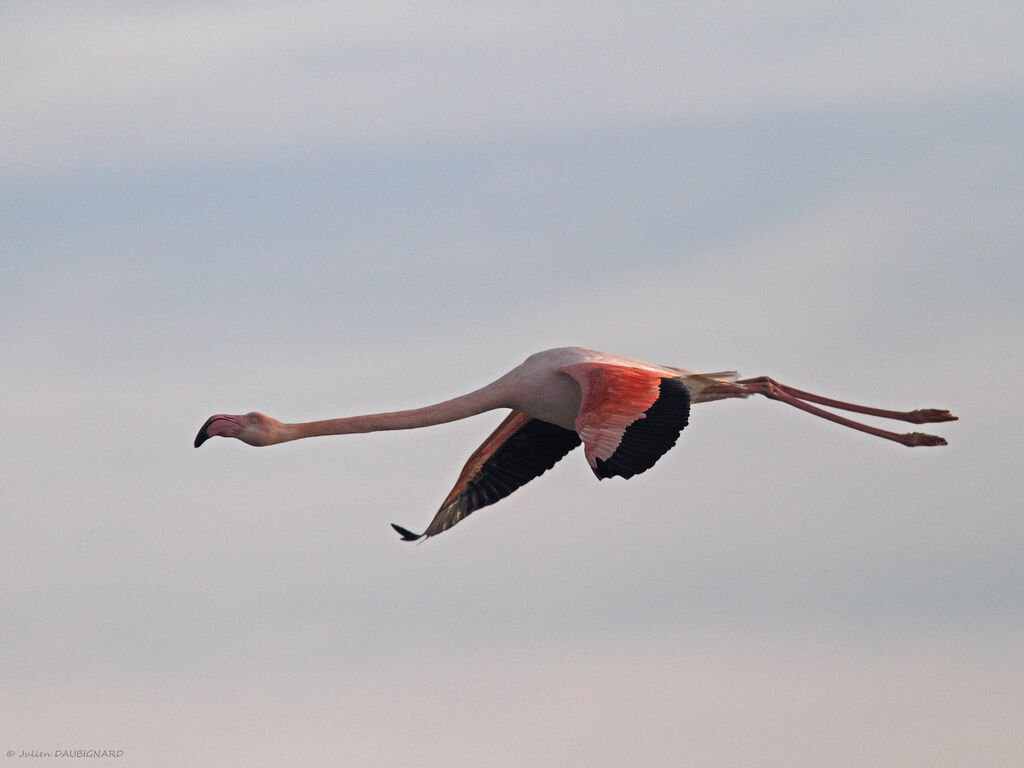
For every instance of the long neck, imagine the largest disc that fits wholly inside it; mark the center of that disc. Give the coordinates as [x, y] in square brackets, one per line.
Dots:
[485, 399]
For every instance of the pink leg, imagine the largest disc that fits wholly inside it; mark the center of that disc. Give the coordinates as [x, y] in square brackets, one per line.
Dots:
[775, 391]
[920, 416]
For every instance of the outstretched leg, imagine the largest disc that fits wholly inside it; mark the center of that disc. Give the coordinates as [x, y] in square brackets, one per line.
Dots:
[770, 388]
[919, 416]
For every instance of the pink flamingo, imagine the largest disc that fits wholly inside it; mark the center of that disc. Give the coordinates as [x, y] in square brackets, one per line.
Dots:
[627, 413]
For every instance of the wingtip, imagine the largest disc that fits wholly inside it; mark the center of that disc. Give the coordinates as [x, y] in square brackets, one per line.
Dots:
[406, 534]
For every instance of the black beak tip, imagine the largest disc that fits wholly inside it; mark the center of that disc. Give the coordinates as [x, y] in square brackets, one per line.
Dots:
[202, 436]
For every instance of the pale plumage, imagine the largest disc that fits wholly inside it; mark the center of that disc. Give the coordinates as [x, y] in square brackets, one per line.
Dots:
[625, 412]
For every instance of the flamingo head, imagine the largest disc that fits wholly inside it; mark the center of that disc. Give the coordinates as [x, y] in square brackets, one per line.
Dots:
[252, 428]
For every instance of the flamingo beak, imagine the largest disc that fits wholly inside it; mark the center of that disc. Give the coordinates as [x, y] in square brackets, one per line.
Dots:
[222, 425]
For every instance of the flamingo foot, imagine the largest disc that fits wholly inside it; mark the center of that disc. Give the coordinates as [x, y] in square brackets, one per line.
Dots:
[930, 415]
[914, 439]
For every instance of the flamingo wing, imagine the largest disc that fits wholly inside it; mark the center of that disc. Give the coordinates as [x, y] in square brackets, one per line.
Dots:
[629, 417]
[520, 449]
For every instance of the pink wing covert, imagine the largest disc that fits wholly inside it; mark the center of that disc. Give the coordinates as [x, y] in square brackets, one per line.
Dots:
[629, 417]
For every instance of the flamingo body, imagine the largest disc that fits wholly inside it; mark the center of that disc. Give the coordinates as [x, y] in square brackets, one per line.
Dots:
[625, 412]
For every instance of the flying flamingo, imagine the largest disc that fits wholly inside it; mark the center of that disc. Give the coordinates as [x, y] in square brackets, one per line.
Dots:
[627, 413]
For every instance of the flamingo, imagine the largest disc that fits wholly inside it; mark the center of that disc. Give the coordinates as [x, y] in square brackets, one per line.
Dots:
[625, 412]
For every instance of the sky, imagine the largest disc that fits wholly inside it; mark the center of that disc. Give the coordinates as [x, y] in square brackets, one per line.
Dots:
[344, 208]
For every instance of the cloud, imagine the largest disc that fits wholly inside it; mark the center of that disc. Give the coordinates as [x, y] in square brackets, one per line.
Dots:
[101, 85]
[798, 698]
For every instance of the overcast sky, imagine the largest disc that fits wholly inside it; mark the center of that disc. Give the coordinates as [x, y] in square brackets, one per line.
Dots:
[354, 207]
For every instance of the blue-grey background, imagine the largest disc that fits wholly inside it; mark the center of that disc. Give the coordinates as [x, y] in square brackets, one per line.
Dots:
[335, 208]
